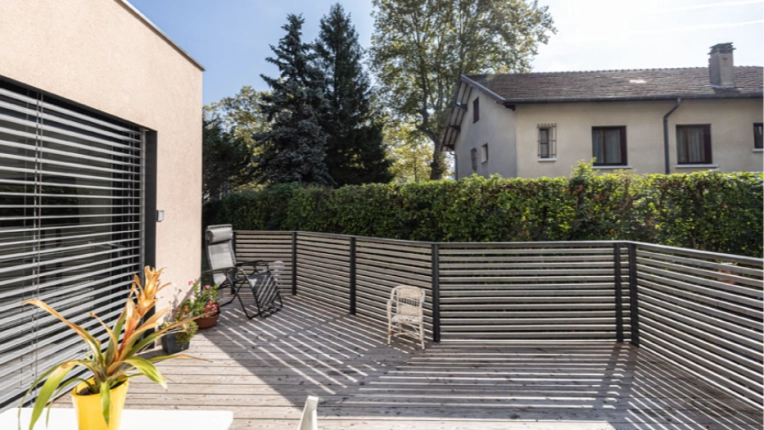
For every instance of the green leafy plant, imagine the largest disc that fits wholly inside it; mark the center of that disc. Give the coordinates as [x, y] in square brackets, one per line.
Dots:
[185, 332]
[714, 211]
[120, 360]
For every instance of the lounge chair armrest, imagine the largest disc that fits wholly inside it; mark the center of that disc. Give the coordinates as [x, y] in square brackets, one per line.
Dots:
[252, 263]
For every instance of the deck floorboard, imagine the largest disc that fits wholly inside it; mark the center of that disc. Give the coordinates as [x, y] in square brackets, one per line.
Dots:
[262, 370]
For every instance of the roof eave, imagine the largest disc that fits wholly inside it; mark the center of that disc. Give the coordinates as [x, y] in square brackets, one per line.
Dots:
[483, 89]
[159, 32]
[635, 98]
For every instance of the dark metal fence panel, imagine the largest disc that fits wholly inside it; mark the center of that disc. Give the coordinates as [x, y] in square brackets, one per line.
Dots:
[323, 268]
[703, 312]
[267, 246]
[529, 291]
[698, 310]
[384, 264]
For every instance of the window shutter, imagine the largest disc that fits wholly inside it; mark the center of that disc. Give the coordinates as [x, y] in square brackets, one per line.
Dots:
[71, 228]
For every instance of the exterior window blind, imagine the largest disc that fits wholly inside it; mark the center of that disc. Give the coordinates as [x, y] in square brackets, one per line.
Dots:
[71, 230]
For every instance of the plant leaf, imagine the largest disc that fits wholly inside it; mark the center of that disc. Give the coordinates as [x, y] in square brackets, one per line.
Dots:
[147, 368]
[111, 349]
[106, 400]
[49, 387]
[167, 357]
[93, 344]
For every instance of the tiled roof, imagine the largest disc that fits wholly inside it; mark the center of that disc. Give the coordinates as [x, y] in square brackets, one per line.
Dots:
[618, 85]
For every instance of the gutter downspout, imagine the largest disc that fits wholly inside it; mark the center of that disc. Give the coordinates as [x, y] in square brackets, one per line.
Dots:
[666, 136]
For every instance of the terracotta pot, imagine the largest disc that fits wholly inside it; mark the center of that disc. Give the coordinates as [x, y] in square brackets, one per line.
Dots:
[89, 415]
[208, 321]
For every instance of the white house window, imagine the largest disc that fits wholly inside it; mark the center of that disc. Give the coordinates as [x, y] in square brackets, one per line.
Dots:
[693, 144]
[484, 153]
[609, 146]
[547, 141]
[757, 132]
[473, 155]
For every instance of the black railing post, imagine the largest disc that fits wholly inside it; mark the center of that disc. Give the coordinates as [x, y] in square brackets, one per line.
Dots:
[618, 293]
[633, 294]
[294, 263]
[352, 276]
[435, 293]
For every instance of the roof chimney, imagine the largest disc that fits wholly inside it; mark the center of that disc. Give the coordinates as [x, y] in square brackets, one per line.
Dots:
[721, 68]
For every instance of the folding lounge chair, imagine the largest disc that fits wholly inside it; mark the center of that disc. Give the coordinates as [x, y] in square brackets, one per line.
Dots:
[227, 273]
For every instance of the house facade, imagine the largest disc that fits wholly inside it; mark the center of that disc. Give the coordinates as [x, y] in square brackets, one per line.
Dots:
[100, 171]
[646, 121]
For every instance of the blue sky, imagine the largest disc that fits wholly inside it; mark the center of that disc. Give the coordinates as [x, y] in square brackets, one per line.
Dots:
[231, 37]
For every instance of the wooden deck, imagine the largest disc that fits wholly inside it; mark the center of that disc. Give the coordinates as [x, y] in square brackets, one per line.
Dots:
[264, 369]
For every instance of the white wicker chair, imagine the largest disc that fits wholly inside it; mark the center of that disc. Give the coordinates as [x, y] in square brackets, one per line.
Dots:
[405, 315]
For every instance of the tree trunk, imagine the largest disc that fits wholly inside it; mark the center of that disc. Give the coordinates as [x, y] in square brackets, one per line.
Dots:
[438, 164]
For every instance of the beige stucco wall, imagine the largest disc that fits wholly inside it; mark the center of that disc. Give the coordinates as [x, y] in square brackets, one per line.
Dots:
[731, 133]
[492, 129]
[99, 54]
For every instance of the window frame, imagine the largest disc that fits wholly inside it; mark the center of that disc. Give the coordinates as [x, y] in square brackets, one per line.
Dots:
[551, 143]
[624, 155]
[707, 148]
[476, 110]
[757, 137]
[473, 156]
[484, 153]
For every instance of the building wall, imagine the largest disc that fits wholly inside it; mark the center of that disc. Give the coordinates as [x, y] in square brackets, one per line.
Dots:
[731, 133]
[99, 54]
[495, 128]
[512, 137]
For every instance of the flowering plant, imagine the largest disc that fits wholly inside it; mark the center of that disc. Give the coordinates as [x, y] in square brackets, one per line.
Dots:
[203, 301]
[132, 333]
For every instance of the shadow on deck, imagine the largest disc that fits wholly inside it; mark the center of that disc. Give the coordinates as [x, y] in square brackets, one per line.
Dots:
[264, 369]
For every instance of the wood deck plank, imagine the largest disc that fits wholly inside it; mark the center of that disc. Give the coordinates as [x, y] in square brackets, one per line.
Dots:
[262, 370]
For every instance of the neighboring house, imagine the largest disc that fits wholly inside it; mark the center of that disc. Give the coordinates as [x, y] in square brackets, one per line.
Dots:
[100, 127]
[541, 124]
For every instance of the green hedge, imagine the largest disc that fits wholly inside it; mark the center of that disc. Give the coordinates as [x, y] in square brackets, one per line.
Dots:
[706, 210]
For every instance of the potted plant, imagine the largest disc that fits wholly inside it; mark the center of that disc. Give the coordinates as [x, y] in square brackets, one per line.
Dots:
[179, 339]
[99, 399]
[204, 304]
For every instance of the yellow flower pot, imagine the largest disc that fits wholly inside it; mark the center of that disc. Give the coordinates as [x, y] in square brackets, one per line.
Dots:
[89, 416]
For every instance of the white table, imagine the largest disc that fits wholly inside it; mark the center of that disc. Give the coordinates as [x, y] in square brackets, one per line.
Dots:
[132, 419]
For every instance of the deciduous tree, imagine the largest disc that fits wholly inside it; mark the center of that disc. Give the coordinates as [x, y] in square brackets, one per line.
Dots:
[240, 113]
[227, 160]
[420, 48]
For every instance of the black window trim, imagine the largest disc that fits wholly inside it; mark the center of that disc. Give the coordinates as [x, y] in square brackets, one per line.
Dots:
[757, 138]
[624, 155]
[707, 145]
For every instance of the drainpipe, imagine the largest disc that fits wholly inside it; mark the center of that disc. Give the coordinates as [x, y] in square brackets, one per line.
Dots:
[665, 134]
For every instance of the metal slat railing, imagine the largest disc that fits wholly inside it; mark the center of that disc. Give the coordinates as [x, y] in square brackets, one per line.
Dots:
[699, 310]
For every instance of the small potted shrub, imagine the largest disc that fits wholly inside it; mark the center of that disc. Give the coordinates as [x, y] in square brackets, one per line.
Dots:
[100, 396]
[203, 304]
[179, 339]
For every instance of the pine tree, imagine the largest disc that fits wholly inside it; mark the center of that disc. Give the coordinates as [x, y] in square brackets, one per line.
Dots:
[293, 150]
[355, 151]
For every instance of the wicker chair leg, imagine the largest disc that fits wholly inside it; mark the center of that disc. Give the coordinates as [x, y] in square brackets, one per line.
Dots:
[421, 335]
